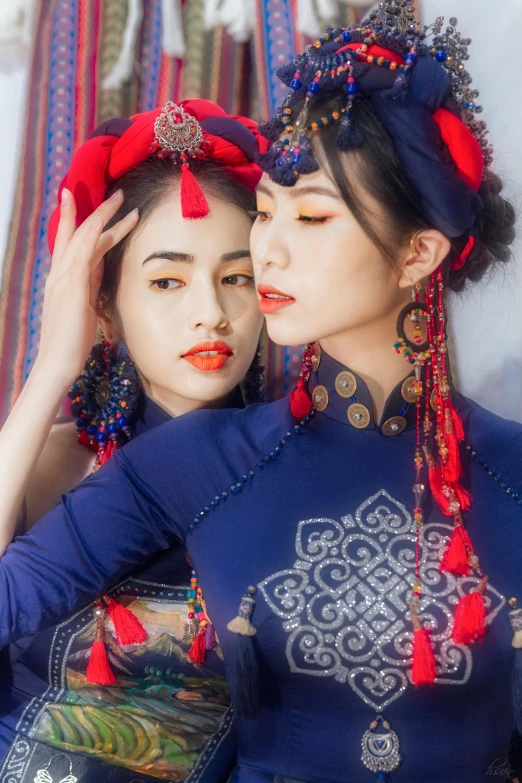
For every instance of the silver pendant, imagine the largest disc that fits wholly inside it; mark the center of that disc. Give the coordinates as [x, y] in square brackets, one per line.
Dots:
[43, 776]
[380, 750]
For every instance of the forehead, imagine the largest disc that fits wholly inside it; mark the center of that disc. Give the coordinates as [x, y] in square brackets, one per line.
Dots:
[224, 229]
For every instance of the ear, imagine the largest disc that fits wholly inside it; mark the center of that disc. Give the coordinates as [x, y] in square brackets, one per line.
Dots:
[432, 247]
[108, 325]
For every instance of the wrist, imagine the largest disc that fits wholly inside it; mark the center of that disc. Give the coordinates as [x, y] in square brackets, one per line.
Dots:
[51, 381]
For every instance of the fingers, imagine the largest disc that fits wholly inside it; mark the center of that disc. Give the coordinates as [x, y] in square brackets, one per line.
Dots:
[66, 225]
[84, 234]
[116, 233]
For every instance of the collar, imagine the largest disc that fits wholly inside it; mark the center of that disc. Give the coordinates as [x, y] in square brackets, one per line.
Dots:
[150, 414]
[340, 394]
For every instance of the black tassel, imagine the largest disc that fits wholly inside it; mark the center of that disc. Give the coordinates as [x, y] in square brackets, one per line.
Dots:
[247, 665]
[284, 176]
[348, 139]
[306, 164]
[286, 73]
[515, 618]
[271, 130]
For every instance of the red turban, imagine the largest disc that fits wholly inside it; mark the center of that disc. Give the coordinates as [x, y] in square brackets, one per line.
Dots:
[119, 145]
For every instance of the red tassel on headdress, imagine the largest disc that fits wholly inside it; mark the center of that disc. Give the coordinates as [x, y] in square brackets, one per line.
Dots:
[99, 670]
[300, 400]
[455, 558]
[193, 201]
[470, 616]
[197, 651]
[128, 628]
[423, 668]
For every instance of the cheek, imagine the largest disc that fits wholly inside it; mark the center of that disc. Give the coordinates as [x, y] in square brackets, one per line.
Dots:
[151, 323]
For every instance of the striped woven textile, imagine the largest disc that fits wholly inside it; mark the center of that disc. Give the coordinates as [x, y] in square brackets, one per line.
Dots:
[76, 45]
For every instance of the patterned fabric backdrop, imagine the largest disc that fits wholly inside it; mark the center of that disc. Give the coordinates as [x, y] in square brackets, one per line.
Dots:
[77, 45]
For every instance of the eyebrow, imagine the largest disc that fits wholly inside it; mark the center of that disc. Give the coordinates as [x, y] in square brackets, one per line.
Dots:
[311, 190]
[186, 258]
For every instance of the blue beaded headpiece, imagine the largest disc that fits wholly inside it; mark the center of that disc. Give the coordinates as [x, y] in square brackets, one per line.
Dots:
[407, 72]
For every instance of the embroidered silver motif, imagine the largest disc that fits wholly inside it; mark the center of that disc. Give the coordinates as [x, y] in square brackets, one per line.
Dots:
[354, 625]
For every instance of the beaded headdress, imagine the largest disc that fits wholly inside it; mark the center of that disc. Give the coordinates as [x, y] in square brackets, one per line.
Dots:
[417, 83]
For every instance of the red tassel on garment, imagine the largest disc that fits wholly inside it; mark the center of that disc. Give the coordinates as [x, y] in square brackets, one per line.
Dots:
[99, 670]
[197, 651]
[455, 558]
[128, 628]
[470, 617]
[423, 668]
[300, 401]
[193, 201]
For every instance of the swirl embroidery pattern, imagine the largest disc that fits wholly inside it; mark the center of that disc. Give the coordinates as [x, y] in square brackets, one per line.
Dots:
[344, 603]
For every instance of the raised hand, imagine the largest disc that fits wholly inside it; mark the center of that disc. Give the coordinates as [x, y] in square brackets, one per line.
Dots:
[69, 311]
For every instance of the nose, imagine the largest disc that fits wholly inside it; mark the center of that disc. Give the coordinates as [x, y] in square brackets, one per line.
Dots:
[206, 311]
[268, 245]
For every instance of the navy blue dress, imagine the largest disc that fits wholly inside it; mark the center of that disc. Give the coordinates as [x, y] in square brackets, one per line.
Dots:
[166, 719]
[322, 524]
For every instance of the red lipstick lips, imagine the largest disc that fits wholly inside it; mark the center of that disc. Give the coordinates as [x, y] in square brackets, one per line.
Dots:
[209, 356]
[272, 300]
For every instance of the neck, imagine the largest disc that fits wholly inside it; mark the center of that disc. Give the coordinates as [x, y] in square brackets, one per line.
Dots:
[176, 405]
[369, 352]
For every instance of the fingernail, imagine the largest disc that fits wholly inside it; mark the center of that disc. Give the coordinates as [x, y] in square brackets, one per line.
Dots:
[133, 213]
[65, 196]
[116, 196]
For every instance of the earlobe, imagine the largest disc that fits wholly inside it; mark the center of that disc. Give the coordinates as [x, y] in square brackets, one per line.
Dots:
[425, 253]
[108, 328]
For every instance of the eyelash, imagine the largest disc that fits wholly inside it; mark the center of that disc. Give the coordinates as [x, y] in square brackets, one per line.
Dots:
[302, 218]
[156, 283]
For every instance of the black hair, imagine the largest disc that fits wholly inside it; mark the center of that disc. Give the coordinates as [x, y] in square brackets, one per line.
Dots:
[151, 183]
[380, 172]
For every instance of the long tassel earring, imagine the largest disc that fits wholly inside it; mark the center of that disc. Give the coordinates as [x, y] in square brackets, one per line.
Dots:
[417, 352]
[438, 424]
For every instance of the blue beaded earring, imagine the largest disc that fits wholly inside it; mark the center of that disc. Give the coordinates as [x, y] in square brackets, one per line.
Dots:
[104, 399]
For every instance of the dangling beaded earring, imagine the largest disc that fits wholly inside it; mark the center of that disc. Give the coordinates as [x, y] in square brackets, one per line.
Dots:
[104, 398]
[433, 391]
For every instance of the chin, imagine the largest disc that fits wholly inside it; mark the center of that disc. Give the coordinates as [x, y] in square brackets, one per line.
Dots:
[288, 333]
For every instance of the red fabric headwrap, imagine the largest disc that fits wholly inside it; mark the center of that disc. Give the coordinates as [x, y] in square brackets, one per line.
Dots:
[103, 159]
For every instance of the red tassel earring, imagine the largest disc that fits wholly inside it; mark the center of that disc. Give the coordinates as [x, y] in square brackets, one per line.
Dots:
[300, 400]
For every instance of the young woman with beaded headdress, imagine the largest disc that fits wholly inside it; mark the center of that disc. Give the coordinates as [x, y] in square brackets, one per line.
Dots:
[170, 277]
[374, 519]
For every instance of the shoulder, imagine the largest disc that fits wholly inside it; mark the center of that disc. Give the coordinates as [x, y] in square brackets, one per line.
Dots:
[493, 441]
[204, 433]
[186, 463]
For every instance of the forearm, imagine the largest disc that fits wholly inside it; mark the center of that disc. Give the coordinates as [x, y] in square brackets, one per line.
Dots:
[98, 533]
[22, 439]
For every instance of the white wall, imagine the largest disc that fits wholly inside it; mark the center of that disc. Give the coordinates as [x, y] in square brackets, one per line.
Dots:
[487, 323]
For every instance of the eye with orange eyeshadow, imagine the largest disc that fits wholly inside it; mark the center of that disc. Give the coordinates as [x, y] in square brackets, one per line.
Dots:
[241, 279]
[163, 284]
